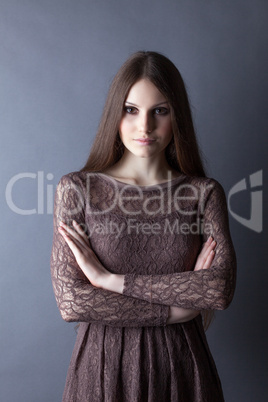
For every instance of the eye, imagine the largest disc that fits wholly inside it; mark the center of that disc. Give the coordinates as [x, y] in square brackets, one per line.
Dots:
[130, 109]
[161, 110]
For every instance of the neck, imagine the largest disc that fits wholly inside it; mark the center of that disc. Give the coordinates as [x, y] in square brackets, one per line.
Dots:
[143, 170]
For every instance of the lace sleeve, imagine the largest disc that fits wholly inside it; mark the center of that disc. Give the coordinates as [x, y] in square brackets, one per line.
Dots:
[210, 289]
[76, 298]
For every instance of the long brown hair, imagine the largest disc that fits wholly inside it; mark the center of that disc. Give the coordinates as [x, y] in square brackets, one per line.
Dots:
[182, 153]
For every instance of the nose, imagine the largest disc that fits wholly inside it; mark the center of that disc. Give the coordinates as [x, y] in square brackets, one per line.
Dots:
[146, 123]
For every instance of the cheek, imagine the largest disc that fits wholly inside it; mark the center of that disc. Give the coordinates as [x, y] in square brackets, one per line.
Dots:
[125, 126]
[123, 130]
[166, 127]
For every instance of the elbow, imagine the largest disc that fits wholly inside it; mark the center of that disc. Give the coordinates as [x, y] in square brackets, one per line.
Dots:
[224, 302]
[67, 317]
[225, 294]
[67, 308]
[67, 314]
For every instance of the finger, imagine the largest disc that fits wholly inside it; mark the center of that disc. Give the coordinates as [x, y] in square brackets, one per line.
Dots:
[81, 229]
[68, 235]
[209, 240]
[208, 247]
[207, 243]
[204, 253]
[72, 243]
[78, 252]
[209, 260]
[78, 248]
[72, 232]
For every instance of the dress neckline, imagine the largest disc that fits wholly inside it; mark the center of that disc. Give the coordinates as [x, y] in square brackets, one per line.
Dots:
[144, 187]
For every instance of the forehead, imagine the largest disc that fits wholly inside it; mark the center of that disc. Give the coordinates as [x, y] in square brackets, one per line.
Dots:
[145, 93]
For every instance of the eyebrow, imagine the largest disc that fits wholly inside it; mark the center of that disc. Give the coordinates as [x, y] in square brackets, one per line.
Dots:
[133, 104]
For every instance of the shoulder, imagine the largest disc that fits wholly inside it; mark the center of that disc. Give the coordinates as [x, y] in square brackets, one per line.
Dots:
[81, 182]
[72, 179]
[205, 188]
[205, 182]
[71, 186]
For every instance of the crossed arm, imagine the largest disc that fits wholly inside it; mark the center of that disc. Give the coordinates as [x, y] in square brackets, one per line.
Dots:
[101, 278]
[86, 291]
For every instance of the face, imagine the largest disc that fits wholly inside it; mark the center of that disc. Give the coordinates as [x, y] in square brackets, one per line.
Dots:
[145, 127]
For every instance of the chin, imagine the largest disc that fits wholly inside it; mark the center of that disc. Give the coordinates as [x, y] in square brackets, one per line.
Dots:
[144, 155]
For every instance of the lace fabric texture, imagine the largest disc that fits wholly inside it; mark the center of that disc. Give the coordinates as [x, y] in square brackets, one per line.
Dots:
[152, 235]
[210, 289]
[77, 299]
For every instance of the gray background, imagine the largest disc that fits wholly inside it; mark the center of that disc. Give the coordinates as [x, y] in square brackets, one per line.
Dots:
[57, 60]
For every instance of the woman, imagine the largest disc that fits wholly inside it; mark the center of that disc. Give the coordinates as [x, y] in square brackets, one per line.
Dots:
[142, 252]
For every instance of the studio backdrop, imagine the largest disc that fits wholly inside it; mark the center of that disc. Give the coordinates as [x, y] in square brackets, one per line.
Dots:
[57, 60]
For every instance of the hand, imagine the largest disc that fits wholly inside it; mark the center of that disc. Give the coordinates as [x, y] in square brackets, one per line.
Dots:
[206, 255]
[87, 260]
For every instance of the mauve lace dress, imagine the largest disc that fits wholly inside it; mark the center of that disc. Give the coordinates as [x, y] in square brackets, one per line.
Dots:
[125, 351]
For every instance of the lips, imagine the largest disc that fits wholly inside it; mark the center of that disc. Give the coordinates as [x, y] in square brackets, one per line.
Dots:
[145, 140]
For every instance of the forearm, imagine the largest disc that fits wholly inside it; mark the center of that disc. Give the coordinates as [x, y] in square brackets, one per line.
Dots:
[200, 290]
[180, 315]
[79, 300]
[176, 315]
[89, 304]
[210, 289]
[112, 282]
